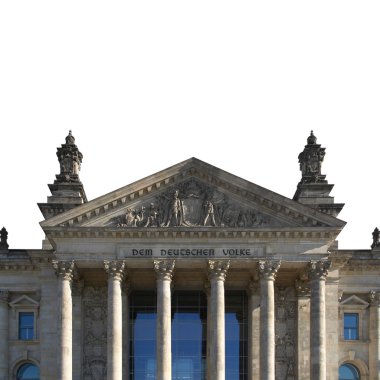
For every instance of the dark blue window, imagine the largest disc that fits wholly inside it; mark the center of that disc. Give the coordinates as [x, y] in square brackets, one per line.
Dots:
[143, 336]
[26, 325]
[28, 372]
[351, 326]
[189, 332]
[236, 335]
[348, 372]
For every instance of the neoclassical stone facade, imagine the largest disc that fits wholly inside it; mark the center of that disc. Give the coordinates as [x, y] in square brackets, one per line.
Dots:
[191, 273]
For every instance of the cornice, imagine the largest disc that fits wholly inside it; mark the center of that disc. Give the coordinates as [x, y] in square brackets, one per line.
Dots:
[310, 233]
[268, 201]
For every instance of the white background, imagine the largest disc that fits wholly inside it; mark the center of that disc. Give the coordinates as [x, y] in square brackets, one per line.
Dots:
[144, 85]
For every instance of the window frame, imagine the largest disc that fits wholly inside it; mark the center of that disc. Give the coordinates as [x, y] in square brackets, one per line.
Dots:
[354, 305]
[30, 312]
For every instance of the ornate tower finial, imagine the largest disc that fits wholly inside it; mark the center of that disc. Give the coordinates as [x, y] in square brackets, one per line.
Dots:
[311, 140]
[70, 160]
[4, 239]
[311, 161]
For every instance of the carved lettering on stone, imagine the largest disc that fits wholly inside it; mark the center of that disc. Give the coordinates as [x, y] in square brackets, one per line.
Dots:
[192, 204]
[95, 333]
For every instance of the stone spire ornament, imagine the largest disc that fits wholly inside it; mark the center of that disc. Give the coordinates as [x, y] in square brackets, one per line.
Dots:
[70, 159]
[67, 191]
[313, 188]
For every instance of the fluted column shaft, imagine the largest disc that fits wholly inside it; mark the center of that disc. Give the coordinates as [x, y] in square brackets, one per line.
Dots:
[318, 271]
[115, 270]
[164, 270]
[217, 276]
[4, 295]
[374, 331]
[267, 271]
[65, 271]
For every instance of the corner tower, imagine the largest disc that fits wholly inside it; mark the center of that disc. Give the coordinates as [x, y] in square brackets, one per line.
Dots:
[313, 189]
[67, 191]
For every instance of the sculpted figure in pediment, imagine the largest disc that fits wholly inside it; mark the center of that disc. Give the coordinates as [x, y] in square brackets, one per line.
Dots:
[191, 204]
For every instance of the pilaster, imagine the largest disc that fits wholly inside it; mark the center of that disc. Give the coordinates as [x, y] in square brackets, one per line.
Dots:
[303, 329]
[253, 330]
[4, 298]
[374, 336]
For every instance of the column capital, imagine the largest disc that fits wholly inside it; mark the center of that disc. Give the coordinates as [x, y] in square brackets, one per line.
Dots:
[302, 288]
[217, 269]
[115, 269]
[65, 270]
[318, 270]
[374, 298]
[164, 269]
[4, 296]
[267, 269]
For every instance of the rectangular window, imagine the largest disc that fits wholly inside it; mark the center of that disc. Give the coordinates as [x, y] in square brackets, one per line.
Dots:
[26, 325]
[351, 326]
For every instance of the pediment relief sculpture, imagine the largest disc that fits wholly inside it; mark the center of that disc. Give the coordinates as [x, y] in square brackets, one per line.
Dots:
[192, 204]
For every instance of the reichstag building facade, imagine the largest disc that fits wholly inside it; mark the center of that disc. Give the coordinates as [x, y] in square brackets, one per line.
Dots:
[190, 274]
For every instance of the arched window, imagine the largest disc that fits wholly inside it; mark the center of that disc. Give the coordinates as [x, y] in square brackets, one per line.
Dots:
[348, 372]
[28, 371]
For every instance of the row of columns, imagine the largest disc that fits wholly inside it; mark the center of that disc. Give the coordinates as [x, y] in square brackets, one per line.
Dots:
[217, 270]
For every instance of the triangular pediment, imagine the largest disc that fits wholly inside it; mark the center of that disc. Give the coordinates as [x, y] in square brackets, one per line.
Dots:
[192, 194]
[354, 301]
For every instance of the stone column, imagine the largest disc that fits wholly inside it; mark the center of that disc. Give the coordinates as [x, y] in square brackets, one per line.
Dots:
[253, 331]
[4, 296]
[207, 289]
[65, 271]
[164, 270]
[115, 270]
[217, 275]
[126, 321]
[318, 271]
[303, 330]
[267, 270]
[374, 336]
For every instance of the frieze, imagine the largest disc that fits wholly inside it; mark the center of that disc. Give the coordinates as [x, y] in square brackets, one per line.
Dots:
[193, 252]
[192, 204]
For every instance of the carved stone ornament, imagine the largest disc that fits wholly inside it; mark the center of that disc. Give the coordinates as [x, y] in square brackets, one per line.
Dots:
[302, 288]
[65, 269]
[217, 269]
[192, 204]
[267, 269]
[4, 239]
[285, 327]
[164, 269]
[95, 333]
[318, 270]
[310, 161]
[4, 296]
[374, 298]
[70, 160]
[115, 269]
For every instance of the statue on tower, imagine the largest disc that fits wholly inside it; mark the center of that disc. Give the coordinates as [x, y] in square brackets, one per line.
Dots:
[375, 238]
[70, 160]
[4, 239]
[311, 161]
